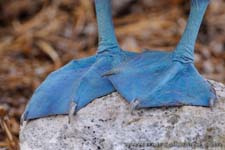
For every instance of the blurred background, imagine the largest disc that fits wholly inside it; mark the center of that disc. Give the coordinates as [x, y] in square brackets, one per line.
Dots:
[37, 37]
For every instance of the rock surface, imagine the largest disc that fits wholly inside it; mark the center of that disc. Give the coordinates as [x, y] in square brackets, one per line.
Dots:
[107, 124]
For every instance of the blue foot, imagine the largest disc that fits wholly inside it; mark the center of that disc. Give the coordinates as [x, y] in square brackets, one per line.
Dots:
[154, 79]
[73, 86]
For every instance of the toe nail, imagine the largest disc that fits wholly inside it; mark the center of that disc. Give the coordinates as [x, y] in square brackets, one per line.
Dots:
[23, 117]
[72, 110]
[134, 105]
[211, 103]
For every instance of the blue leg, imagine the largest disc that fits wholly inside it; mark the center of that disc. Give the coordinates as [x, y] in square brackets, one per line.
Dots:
[73, 86]
[157, 79]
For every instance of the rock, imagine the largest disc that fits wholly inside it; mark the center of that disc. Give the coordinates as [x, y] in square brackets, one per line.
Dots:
[107, 124]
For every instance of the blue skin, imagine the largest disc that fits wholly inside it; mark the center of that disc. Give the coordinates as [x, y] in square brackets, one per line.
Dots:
[70, 88]
[158, 79]
[150, 79]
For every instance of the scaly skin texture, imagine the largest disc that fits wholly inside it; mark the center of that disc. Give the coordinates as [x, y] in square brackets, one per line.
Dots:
[158, 79]
[72, 87]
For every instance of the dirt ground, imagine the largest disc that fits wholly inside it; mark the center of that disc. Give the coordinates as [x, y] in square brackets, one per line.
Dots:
[37, 37]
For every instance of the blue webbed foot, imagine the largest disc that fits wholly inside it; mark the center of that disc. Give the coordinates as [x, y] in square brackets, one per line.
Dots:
[154, 79]
[70, 88]
[73, 86]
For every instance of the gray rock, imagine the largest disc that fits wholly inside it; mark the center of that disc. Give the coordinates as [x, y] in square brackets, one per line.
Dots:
[107, 124]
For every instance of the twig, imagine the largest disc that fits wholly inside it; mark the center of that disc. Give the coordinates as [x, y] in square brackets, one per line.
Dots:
[49, 50]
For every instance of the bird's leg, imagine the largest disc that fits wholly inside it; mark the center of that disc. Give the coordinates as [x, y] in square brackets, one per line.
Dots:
[107, 38]
[158, 79]
[73, 86]
[184, 51]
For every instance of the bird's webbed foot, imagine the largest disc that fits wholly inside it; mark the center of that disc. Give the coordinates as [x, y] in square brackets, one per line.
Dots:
[73, 86]
[154, 79]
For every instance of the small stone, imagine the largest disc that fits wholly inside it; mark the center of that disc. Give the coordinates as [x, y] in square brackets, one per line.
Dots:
[217, 48]
[119, 6]
[208, 66]
[205, 53]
